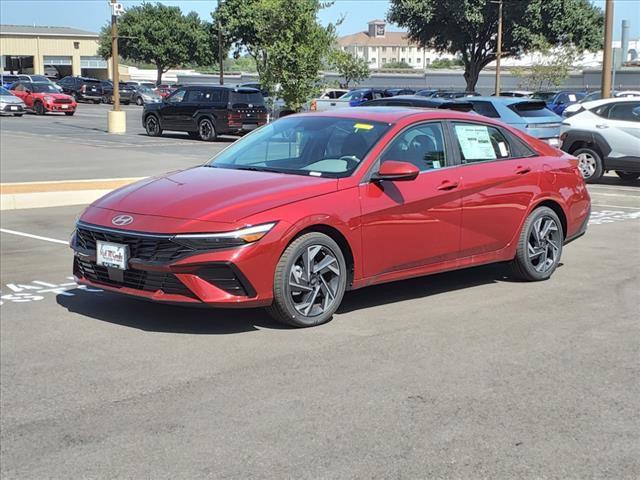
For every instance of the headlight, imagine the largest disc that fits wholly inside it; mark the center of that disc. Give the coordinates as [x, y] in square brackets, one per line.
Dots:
[212, 241]
[47, 98]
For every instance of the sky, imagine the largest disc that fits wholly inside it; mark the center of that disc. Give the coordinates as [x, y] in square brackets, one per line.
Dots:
[92, 14]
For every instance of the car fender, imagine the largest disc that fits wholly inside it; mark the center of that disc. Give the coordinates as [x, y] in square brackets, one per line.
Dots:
[572, 137]
[200, 114]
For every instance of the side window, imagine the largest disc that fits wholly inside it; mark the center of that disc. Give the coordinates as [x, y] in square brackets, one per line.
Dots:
[18, 87]
[211, 96]
[194, 95]
[485, 109]
[480, 143]
[421, 145]
[624, 111]
[177, 96]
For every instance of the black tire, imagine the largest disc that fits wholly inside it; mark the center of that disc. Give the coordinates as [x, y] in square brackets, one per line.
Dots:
[283, 308]
[627, 175]
[17, 114]
[206, 130]
[38, 107]
[590, 164]
[96, 102]
[139, 101]
[105, 99]
[152, 126]
[69, 114]
[126, 103]
[526, 265]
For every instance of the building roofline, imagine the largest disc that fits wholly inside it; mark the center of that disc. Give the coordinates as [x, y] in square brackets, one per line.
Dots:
[41, 31]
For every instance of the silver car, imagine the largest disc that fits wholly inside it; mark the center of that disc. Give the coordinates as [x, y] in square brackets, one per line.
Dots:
[10, 104]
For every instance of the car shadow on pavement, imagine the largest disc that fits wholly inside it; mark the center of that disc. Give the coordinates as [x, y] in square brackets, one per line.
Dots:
[156, 317]
[611, 180]
[184, 136]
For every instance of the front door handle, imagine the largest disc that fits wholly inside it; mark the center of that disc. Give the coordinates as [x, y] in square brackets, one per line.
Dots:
[522, 170]
[447, 185]
[602, 125]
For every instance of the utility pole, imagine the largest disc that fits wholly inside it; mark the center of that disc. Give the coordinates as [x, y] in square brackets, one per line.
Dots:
[499, 48]
[608, 47]
[220, 59]
[116, 118]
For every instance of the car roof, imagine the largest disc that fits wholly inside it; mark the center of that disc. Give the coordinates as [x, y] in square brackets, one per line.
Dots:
[393, 114]
[604, 101]
[502, 100]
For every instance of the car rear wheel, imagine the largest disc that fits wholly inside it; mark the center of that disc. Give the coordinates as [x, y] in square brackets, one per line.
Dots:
[139, 101]
[206, 130]
[589, 163]
[38, 107]
[152, 126]
[105, 99]
[309, 282]
[628, 175]
[539, 247]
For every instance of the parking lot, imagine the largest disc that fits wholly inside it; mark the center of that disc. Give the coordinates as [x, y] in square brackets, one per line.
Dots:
[466, 374]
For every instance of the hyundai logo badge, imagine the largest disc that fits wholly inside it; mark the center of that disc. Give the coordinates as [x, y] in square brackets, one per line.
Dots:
[122, 220]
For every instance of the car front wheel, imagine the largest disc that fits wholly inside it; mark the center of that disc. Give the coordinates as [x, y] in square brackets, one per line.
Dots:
[627, 175]
[39, 108]
[539, 246]
[152, 126]
[309, 282]
[590, 164]
[139, 101]
[206, 130]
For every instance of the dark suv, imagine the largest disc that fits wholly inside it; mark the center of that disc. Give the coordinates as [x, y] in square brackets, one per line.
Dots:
[205, 111]
[82, 88]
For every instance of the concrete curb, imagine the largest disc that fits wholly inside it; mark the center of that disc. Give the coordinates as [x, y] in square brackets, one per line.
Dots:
[16, 196]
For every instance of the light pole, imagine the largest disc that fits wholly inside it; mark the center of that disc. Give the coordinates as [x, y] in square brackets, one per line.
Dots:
[116, 118]
[607, 57]
[220, 59]
[499, 48]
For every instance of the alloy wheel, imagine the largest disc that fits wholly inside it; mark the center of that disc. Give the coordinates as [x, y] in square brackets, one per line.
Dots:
[152, 126]
[314, 280]
[205, 129]
[587, 164]
[543, 246]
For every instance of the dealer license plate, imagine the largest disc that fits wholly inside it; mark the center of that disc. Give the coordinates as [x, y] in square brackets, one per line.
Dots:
[112, 255]
[13, 107]
[64, 107]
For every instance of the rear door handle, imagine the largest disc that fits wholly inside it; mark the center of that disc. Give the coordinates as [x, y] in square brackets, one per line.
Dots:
[447, 185]
[522, 170]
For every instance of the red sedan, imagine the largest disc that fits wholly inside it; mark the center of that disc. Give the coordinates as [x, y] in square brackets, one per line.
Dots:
[298, 211]
[44, 97]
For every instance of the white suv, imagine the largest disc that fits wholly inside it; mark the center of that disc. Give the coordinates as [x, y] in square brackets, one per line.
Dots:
[605, 135]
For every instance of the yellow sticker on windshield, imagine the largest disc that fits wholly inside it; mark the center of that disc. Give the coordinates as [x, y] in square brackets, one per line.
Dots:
[363, 126]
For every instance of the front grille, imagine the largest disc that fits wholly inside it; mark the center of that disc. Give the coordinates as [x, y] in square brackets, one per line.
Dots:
[136, 279]
[145, 248]
[62, 100]
[9, 109]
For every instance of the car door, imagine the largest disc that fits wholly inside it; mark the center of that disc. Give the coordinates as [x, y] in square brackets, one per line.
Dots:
[189, 108]
[170, 110]
[621, 129]
[499, 178]
[407, 224]
[22, 89]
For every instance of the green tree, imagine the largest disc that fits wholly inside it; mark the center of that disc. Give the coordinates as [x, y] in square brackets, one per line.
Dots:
[396, 65]
[550, 71]
[350, 67]
[468, 27]
[285, 39]
[162, 36]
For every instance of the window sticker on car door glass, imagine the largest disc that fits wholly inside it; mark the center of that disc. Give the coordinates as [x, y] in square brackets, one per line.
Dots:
[503, 149]
[475, 142]
[572, 98]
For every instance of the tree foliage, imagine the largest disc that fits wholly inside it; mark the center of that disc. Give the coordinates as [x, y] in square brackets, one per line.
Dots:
[401, 64]
[350, 67]
[469, 27]
[285, 39]
[550, 71]
[162, 36]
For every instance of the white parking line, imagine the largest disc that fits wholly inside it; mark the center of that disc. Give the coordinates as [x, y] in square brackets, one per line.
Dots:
[37, 237]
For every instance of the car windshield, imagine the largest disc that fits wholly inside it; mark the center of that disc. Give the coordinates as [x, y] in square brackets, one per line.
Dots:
[39, 78]
[546, 96]
[304, 145]
[44, 88]
[4, 91]
[353, 95]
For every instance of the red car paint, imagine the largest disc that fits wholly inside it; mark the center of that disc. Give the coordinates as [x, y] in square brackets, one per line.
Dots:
[466, 214]
[52, 102]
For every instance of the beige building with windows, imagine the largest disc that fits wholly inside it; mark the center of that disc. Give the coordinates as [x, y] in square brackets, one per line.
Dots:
[52, 51]
[379, 47]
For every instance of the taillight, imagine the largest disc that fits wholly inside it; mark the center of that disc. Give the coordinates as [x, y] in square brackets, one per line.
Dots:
[83, 89]
[314, 105]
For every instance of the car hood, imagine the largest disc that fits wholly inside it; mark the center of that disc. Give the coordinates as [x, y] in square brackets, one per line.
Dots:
[214, 194]
[10, 99]
[55, 96]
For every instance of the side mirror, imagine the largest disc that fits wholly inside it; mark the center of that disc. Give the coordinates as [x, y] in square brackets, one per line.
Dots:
[396, 171]
[27, 91]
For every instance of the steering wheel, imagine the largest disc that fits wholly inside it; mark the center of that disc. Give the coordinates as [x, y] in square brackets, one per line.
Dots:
[352, 161]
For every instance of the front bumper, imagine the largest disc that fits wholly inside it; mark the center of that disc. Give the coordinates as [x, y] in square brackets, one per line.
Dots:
[11, 108]
[60, 107]
[163, 271]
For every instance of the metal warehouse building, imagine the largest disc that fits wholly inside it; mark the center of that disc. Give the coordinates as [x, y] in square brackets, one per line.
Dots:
[52, 51]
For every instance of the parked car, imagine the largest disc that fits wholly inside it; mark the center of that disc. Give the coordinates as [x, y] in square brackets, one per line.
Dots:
[82, 88]
[126, 92]
[36, 79]
[311, 205]
[138, 83]
[42, 97]
[326, 94]
[11, 104]
[164, 90]
[597, 95]
[515, 93]
[144, 95]
[6, 80]
[206, 111]
[604, 136]
[420, 102]
[392, 92]
[427, 92]
[451, 94]
[557, 101]
[530, 116]
[51, 72]
[352, 98]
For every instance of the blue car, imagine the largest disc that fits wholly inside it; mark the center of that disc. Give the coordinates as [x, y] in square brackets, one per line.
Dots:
[559, 100]
[530, 116]
[7, 80]
[359, 96]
